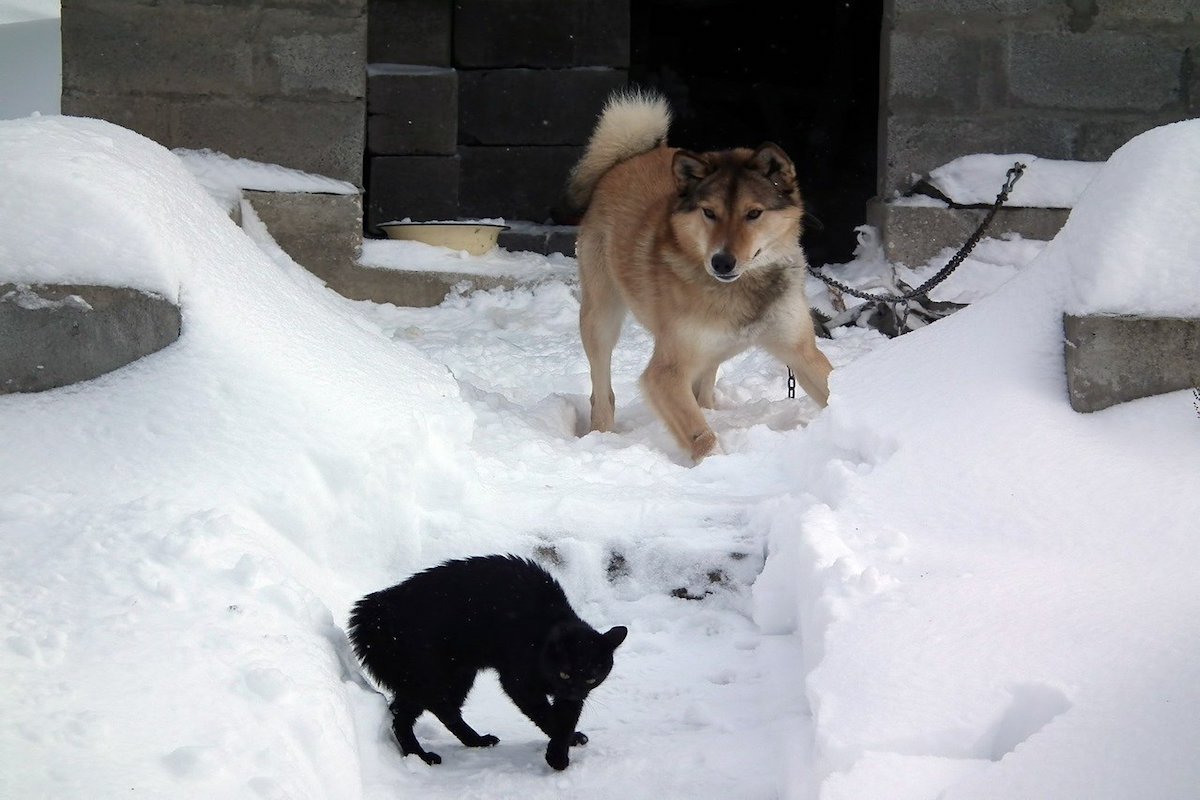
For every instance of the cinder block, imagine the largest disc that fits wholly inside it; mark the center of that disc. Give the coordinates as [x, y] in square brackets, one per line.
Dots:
[510, 106]
[413, 110]
[149, 116]
[1094, 71]
[544, 239]
[1120, 13]
[304, 52]
[541, 33]
[1113, 359]
[912, 235]
[336, 8]
[325, 138]
[322, 232]
[934, 73]
[1101, 135]
[524, 183]
[56, 335]
[916, 143]
[422, 188]
[409, 32]
[113, 47]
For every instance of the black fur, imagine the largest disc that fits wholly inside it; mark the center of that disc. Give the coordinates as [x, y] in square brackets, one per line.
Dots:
[425, 640]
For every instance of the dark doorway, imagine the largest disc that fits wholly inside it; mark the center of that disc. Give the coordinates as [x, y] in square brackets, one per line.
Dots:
[803, 75]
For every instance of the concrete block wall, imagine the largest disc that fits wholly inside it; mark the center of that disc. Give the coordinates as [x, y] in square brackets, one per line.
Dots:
[1070, 79]
[525, 80]
[279, 81]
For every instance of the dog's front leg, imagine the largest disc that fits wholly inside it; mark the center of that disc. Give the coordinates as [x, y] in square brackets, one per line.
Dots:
[669, 389]
[809, 364]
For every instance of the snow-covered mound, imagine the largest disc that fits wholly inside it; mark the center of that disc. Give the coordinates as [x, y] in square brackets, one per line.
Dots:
[279, 445]
[996, 595]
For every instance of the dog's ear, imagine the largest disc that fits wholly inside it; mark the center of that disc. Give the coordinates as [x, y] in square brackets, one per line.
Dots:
[689, 169]
[773, 164]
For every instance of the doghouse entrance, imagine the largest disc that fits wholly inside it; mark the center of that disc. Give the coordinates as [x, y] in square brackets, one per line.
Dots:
[803, 75]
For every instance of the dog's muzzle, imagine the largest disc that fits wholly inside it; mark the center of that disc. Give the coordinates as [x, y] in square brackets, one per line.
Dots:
[722, 267]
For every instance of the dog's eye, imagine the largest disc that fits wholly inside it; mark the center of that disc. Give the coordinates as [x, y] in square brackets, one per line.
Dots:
[564, 676]
[709, 213]
[754, 213]
[591, 680]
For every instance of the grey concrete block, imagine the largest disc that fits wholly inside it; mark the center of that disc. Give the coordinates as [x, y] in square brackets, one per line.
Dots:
[934, 73]
[524, 183]
[422, 188]
[1113, 359]
[1095, 71]
[322, 232]
[56, 335]
[325, 138]
[1122, 13]
[912, 235]
[1001, 8]
[218, 49]
[310, 54]
[541, 33]
[535, 238]
[410, 32]
[419, 289]
[1191, 84]
[1100, 136]
[413, 110]
[917, 143]
[112, 47]
[336, 8]
[515, 106]
[149, 116]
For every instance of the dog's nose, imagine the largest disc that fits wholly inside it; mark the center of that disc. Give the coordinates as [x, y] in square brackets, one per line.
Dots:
[723, 263]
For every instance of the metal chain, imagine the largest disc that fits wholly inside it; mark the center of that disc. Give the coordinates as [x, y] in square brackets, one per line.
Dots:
[1011, 178]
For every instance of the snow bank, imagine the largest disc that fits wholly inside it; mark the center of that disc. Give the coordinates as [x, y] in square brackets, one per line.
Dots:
[224, 176]
[1134, 243]
[181, 537]
[1046, 183]
[996, 595]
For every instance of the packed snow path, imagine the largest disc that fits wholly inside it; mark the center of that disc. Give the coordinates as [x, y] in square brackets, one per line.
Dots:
[700, 703]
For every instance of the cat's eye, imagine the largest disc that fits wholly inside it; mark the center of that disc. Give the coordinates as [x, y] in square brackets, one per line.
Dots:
[754, 213]
[564, 676]
[709, 213]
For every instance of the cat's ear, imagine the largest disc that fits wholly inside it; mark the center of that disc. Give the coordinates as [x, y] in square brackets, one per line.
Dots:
[614, 636]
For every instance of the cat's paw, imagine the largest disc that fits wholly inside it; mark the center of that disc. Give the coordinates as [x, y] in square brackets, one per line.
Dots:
[556, 756]
[578, 737]
[486, 740]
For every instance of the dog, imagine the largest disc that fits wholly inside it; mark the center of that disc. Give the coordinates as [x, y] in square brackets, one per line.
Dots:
[703, 248]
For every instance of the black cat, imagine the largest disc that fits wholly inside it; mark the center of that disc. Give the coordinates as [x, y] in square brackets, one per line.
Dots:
[425, 640]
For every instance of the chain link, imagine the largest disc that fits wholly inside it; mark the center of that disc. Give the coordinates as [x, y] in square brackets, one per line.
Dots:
[1011, 177]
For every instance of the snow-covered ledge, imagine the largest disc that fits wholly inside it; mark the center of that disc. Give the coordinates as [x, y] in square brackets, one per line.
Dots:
[1132, 321]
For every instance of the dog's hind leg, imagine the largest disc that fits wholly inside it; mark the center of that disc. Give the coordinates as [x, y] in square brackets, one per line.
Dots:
[669, 389]
[601, 314]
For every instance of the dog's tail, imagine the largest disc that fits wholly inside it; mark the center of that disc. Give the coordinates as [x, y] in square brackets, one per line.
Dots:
[632, 122]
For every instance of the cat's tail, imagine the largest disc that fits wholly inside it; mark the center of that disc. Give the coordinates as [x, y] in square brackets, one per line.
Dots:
[632, 122]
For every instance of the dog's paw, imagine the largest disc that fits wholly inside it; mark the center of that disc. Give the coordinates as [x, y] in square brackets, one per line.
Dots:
[486, 740]
[704, 444]
[429, 758]
[578, 737]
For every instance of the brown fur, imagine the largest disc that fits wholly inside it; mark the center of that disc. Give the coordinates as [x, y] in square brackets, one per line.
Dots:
[646, 245]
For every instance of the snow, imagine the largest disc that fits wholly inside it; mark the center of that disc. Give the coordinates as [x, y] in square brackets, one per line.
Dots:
[1046, 183]
[1134, 248]
[224, 177]
[945, 585]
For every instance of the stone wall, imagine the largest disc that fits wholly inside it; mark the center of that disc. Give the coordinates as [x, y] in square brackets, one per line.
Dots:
[279, 81]
[478, 108]
[1069, 79]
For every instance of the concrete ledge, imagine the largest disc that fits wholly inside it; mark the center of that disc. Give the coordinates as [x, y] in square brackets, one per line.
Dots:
[321, 232]
[56, 335]
[1113, 359]
[544, 239]
[913, 235]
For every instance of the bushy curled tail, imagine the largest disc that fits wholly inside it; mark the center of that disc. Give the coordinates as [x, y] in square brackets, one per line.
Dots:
[632, 122]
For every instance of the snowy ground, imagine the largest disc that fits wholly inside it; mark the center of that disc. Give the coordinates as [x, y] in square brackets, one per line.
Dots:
[945, 585]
